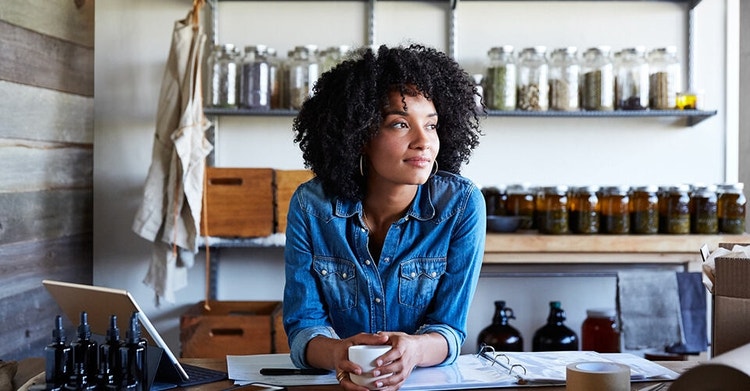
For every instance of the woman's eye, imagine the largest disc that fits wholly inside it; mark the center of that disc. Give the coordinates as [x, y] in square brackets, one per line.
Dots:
[400, 125]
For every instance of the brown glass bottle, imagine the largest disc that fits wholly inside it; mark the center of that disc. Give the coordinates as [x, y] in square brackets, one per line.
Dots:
[583, 210]
[599, 332]
[552, 210]
[644, 210]
[494, 199]
[555, 335]
[678, 210]
[703, 210]
[731, 208]
[501, 335]
[520, 202]
[615, 216]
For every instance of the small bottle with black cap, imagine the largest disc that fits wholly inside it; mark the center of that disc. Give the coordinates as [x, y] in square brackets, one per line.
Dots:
[58, 357]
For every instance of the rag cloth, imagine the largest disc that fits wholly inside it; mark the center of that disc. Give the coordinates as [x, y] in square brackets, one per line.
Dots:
[649, 309]
[169, 214]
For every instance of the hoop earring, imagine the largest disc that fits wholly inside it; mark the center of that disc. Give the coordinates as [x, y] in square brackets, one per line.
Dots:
[361, 170]
[436, 170]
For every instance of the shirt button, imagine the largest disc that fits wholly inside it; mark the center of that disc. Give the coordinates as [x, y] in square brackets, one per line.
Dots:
[343, 275]
[377, 300]
[363, 230]
[413, 274]
[367, 262]
[434, 274]
[386, 259]
[324, 272]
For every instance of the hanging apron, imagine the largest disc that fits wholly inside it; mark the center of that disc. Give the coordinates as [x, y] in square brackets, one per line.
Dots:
[169, 214]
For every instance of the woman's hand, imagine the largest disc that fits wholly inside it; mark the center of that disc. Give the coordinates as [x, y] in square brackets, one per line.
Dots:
[333, 354]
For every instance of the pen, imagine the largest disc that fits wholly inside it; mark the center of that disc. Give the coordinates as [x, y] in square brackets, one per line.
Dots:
[293, 371]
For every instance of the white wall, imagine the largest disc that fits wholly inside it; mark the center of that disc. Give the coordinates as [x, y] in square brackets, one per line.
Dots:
[133, 38]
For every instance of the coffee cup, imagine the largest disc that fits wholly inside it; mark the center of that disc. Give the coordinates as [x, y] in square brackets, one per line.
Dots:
[365, 356]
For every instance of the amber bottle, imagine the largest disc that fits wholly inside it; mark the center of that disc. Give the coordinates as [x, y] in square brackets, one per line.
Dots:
[501, 335]
[555, 335]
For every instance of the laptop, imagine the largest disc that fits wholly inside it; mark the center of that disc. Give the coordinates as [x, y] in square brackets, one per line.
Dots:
[100, 303]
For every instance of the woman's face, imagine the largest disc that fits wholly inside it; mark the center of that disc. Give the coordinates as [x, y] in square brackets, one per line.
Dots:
[404, 149]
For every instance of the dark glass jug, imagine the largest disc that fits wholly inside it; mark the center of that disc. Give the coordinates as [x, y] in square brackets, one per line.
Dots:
[501, 335]
[555, 335]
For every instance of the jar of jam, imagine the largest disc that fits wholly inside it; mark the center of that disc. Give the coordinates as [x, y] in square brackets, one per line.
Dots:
[552, 210]
[614, 212]
[731, 208]
[500, 81]
[583, 210]
[703, 210]
[599, 331]
[520, 202]
[644, 210]
[678, 210]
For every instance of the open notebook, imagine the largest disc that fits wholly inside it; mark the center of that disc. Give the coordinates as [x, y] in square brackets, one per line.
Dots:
[100, 303]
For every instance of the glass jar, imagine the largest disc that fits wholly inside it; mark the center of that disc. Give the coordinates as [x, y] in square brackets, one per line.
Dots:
[599, 331]
[564, 70]
[615, 216]
[678, 210]
[302, 70]
[554, 335]
[500, 81]
[479, 85]
[644, 210]
[495, 199]
[597, 80]
[552, 210]
[276, 80]
[224, 75]
[533, 80]
[703, 210]
[663, 195]
[664, 78]
[731, 208]
[631, 80]
[500, 334]
[255, 91]
[520, 202]
[584, 210]
[332, 56]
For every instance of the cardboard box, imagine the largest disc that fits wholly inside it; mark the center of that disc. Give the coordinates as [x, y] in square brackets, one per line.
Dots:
[232, 327]
[287, 182]
[239, 202]
[731, 303]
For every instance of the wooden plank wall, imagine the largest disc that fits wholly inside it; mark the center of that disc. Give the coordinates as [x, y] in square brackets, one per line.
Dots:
[46, 155]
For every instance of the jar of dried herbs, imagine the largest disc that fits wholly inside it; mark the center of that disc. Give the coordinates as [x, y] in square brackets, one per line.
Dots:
[597, 80]
[584, 210]
[677, 210]
[564, 70]
[533, 80]
[644, 210]
[614, 213]
[631, 80]
[664, 78]
[731, 208]
[255, 92]
[302, 70]
[224, 76]
[552, 210]
[500, 80]
[703, 210]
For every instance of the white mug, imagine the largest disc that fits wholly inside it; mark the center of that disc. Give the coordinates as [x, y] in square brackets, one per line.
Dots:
[364, 356]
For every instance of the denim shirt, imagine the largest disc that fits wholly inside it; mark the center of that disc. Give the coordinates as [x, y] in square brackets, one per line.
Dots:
[423, 282]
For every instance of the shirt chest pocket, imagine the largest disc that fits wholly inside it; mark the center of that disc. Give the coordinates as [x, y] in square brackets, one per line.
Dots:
[338, 282]
[419, 279]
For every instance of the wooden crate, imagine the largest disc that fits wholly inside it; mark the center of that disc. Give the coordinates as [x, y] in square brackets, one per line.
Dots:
[239, 202]
[287, 182]
[232, 327]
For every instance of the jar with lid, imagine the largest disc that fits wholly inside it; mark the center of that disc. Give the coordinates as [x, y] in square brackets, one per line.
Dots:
[500, 334]
[223, 67]
[597, 80]
[584, 210]
[552, 210]
[520, 202]
[614, 211]
[500, 80]
[533, 80]
[564, 70]
[731, 208]
[255, 90]
[554, 335]
[495, 199]
[644, 209]
[276, 82]
[664, 79]
[599, 331]
[302, 70]
[677, 212]
[703, 210]
[631, 79]
[332, 56]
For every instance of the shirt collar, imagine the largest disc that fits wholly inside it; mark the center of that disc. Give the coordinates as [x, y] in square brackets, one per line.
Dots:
[421, 208]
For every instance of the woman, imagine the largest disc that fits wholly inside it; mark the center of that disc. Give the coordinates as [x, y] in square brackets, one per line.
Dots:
[384, 245]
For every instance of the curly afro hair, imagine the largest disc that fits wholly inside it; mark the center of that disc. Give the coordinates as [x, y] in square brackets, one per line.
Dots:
[345, 111]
